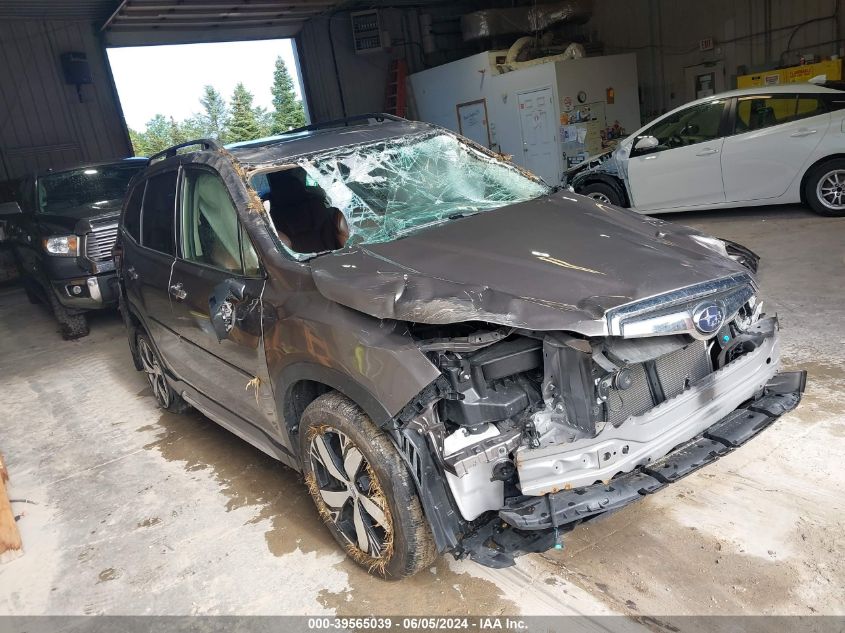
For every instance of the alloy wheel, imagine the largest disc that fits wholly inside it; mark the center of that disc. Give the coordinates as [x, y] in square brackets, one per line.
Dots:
[831, 190]
[599, 197]
[352, 495]
[155, 374]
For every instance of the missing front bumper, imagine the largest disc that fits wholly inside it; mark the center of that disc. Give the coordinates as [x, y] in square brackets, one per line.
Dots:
[781, 394]
[530, 523]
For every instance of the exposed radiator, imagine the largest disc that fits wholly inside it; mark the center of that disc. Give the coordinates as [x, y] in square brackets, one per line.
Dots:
[675, 371]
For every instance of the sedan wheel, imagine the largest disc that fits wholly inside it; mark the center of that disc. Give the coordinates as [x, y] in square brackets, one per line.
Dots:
[353, 498]
[831, 190]
[824, 188]
[599, 197]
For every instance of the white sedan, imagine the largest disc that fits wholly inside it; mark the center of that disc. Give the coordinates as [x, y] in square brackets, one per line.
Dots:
[766, 145]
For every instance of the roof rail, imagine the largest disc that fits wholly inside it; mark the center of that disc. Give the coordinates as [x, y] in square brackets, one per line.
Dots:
[378, 116]
[170, 152]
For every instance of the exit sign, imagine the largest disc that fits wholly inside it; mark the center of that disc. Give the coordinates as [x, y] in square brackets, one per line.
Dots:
[706, 44]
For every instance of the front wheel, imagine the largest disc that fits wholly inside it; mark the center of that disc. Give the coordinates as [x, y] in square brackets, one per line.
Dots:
[824, 188]
[602, 192]
[363, 490]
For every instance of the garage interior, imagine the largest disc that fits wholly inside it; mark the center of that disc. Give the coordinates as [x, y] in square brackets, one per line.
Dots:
[124, 509]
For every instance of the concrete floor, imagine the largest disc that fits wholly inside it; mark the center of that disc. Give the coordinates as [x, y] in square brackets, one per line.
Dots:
[128, 510]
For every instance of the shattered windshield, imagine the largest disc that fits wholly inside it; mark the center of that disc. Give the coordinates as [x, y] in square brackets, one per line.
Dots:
[390, 188]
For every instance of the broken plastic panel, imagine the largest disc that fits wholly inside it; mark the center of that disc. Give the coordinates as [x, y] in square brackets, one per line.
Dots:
[390, 188]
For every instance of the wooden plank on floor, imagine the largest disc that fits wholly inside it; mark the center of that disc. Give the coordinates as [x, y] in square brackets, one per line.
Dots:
[10, 539]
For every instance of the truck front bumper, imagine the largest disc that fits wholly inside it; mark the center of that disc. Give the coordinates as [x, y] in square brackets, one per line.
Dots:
[87, 293]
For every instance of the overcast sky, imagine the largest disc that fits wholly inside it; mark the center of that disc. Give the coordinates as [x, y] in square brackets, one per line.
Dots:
[169, 80]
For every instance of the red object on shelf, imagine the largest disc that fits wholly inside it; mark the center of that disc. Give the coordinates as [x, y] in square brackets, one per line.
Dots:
[395, 101]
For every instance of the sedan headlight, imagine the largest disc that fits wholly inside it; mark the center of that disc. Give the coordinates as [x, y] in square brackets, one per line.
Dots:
[62, 245]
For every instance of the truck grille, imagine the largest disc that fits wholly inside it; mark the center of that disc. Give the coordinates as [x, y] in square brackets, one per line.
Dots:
[100, 242]
[675, 372]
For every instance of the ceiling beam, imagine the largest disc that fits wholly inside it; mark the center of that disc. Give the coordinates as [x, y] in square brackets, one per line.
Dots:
[189, 24]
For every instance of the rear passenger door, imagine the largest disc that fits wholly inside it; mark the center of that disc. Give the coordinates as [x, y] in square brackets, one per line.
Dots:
[773, 137]
[215, 253]
[149, 249]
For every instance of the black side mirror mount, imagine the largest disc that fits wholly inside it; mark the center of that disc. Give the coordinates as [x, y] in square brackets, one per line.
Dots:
[222, 306]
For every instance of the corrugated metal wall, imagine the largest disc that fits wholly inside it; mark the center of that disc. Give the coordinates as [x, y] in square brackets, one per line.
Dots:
[42, 122]
[749, 35]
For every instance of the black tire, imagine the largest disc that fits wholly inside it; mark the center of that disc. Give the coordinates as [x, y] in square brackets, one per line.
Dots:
[603, 192]
[384, 502]
[31, 290]
[151, 364]
[72, 326]
[830, 173]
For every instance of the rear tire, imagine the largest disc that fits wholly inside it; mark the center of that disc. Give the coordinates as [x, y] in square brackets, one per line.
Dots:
[603, 192]
[165, 396]
[824, 188]
[72, 326]
[362, 489]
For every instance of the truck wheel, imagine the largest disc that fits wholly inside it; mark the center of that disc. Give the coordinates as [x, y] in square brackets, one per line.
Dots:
[72, 326]
[31, 290]
[602, 192]
[824, 188]
[154, 369]
[363, 490]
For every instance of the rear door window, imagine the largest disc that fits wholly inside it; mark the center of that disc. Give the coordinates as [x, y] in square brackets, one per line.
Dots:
[157, 219]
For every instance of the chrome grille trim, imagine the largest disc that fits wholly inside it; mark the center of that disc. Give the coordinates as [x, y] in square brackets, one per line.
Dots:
[671, 312]
[100, 242]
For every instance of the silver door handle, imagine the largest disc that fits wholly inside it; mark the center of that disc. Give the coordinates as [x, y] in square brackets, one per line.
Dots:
[177, 291]
[130, 272]
[708, 152]
[801, 133]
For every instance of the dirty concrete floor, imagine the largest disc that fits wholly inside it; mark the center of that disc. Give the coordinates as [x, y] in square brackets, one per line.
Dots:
[128, 510]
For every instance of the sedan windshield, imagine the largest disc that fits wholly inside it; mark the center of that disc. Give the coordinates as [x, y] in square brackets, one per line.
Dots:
[390, 188]
[84, 192]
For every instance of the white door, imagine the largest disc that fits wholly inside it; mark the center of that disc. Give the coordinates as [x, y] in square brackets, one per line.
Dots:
[774, 136]
[540, 149]
[685, 167]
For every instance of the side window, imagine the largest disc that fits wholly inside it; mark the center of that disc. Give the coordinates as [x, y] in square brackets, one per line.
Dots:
[810, 105]
[159, 209]
[132, 214]
[696, 124]
[757, 112]
[211, 233]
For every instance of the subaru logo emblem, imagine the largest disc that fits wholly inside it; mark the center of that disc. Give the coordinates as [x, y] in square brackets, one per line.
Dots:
[708, 317]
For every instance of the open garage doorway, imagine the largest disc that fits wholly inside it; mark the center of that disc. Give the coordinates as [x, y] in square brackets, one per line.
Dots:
[229, 91]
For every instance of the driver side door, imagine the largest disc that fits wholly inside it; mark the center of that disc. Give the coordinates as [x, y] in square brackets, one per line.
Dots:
[685, 168]
[227, 367]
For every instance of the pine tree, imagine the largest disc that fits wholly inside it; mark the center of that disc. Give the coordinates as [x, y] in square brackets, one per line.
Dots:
[214, 118]
[243, 125]
[288, 111]
[157, 137]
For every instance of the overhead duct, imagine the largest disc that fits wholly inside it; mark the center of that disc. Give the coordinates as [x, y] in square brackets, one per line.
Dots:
[524, 20]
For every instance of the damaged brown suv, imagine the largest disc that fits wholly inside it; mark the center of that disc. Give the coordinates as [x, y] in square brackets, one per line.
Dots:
[455, 355]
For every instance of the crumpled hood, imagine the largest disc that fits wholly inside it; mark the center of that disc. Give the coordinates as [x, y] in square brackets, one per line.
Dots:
[558, 262]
